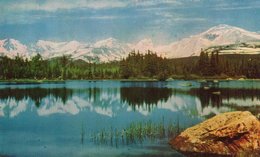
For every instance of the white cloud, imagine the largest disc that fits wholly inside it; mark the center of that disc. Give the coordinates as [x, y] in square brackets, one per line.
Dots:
[238, 8]
[51, 5]
[155, 2]
[104, 17]
[170, 18]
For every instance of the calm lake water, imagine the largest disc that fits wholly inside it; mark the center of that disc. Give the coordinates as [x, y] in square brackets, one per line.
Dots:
[111, 118]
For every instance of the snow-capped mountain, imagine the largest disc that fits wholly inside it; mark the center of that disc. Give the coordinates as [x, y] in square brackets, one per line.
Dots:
[218, 35]
[191, 46]
[12, 47]
[50, 49]
[144, 45]
[111, 49]
[103, 51]
[108, 50]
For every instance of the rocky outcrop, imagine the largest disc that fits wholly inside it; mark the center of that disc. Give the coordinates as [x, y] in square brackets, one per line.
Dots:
[225, 134]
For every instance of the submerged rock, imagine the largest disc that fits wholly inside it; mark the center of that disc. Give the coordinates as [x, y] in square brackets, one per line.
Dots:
[225, 134]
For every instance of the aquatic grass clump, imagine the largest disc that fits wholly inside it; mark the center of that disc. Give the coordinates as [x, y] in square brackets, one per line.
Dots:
[136, 133]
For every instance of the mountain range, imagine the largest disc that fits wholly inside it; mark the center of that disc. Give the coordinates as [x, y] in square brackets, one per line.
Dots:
[112, 49]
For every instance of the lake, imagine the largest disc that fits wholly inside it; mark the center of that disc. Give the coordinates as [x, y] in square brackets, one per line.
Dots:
[112, 118]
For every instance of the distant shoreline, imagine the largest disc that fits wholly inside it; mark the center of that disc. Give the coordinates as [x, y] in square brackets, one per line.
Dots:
[34, 81]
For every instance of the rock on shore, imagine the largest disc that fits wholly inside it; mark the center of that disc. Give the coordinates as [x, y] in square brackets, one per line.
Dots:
[225, 134]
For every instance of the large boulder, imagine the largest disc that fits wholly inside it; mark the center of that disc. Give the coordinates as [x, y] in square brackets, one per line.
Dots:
[225, 134]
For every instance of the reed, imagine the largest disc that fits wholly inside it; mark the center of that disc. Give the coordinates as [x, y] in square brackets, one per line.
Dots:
[136, 133]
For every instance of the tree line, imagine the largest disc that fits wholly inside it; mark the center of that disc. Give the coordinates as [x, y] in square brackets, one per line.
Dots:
[149, 65]
[213, 64]
[58, 68]
[135, 65]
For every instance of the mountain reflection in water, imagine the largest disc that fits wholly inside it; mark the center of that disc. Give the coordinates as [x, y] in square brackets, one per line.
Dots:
[196, 101]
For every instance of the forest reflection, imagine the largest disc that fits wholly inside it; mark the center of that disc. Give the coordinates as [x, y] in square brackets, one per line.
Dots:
[36, 94]
[234, 99]
[215, 96]
[147, 97]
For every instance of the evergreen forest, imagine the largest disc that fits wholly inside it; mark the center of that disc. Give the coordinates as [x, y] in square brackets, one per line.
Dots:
[134, 66]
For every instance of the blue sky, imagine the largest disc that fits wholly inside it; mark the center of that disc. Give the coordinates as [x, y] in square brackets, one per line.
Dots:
[163, 21]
